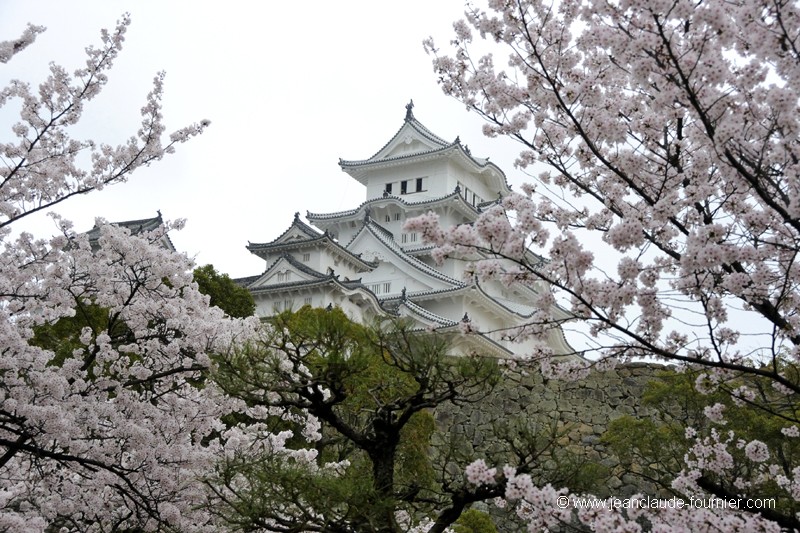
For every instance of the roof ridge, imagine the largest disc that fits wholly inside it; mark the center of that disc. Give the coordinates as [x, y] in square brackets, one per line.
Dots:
[296, 223]
[398, 250]
[414, 123]
[418, 309]
[398, 199]
[300, 266]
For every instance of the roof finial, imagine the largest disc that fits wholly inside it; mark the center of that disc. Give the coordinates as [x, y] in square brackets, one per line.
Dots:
[403, 296]
[465, 319]
[296, 215]
[409, 112]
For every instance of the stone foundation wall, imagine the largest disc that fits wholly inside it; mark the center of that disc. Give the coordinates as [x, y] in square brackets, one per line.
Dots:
[578, 412]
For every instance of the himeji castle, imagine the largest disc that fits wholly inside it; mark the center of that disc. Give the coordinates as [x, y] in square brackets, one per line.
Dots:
[362, 261]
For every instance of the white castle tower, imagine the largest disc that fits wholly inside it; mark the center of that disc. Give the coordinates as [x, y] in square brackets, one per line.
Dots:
[362, 261]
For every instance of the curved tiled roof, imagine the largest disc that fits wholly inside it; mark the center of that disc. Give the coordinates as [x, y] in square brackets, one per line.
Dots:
[289, 259]
[331, 279]
[418, 126]
[247, 280]
[480, 163]
[136, 227]
[386, 238]
[521, 310]
[315, 237]
[296, 223]
[394, 200]
[431, 292]
[277, 287]
[421, 311]
[517, 308]
[298, 265]
[441, 146]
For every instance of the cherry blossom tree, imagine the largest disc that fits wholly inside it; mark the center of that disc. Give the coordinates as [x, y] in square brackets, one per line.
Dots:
[105, 420]
[663, 136]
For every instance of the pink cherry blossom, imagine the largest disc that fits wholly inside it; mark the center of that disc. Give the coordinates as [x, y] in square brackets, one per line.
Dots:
[112, 426]
[663, 138]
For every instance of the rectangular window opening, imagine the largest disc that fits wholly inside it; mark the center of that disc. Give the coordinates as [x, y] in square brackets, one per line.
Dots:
[419, 184]
[404, 187]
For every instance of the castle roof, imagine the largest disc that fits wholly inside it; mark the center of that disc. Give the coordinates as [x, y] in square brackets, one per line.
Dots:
[301, 235]
[454, 197]
[386, 238]
[413, 142]
[136, 227]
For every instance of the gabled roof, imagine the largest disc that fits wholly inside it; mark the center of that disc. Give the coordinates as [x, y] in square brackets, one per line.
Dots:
[414, 141]
[301, 235]
[348, 288]
[515, 308]
[297, 230]
[285, 261]
[411, 126]
[428, 317]
[446, 326]
[246, 281]
[136, 227]
[384, 237]
[389, 199]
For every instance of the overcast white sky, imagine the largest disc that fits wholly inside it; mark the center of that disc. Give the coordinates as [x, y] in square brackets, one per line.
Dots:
[289, 88]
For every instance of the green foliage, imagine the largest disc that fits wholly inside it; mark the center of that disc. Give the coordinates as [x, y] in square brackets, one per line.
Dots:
[654, 448]
[373, 388]
[62, 337]
[474, 521]
[236, 301]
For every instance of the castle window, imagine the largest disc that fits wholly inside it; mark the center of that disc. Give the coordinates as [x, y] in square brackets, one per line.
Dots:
[307, 300]
[404, 238]
[414, 237]
[287, 305]
[404, 187]
[381, 288]
[388, 188]
[419, 184]
[306, 257]
[284, 276]
[397, 216]
[388, 218]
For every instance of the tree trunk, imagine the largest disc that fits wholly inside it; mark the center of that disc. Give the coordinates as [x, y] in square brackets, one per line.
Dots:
[383, 454]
